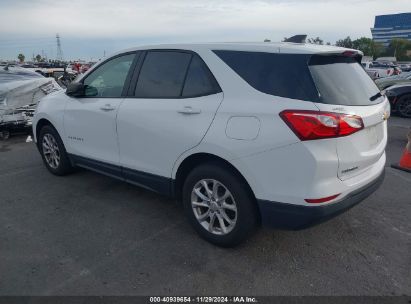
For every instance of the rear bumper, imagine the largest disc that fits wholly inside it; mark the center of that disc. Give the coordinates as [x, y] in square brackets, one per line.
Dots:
[295, 217]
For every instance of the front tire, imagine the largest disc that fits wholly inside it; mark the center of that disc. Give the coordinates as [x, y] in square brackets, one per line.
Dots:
[53, 152]
[219, 205]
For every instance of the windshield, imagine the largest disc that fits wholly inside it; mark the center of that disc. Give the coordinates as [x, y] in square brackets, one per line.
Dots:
[342, 81]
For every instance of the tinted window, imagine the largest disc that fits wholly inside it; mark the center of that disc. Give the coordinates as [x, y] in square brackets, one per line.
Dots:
[162, 74]
[342, 81]
[109, 78]
[282, 75]
[199, 80]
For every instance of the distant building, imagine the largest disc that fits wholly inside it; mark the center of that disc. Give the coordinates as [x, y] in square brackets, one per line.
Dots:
[388, 27]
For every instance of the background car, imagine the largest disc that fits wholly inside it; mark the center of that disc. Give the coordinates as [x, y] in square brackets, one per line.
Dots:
[400, 99]
[20, 91]
[405, 67]
[386, 82]
[383, 70]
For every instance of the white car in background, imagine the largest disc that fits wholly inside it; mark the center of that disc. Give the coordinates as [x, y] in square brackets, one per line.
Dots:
[283, 134]
[377, 70]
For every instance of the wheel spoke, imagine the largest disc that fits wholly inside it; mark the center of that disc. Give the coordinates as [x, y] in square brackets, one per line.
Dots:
[47, 140]
[225, 216]
[204, 216]
[224, 196]
[46, 146]
[200, 195]
[215, 189]
[222, 224]
[212, 220]
[200, 204]
[208, 191]
[229, 206]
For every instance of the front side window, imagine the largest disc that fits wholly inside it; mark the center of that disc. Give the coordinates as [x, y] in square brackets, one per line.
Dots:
[108, 79]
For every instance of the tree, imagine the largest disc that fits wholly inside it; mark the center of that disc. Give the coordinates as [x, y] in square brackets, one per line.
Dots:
[21, 57]
[317, 40]
[368, 46]
[346, 42]
[399, 48]
[38, 57]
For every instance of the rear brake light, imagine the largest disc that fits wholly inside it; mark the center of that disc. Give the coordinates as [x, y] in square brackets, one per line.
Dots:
[350, 53]
[309, 125]
[321, 200]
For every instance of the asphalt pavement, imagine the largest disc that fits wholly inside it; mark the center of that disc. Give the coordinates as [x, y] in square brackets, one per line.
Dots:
[88, 234]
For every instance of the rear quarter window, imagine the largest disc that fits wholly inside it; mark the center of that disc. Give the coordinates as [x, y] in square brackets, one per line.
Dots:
[284, 75]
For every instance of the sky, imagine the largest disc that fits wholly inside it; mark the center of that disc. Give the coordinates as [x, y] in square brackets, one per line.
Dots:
[91, 28]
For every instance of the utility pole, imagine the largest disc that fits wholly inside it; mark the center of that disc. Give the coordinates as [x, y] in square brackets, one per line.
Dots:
[59, 56]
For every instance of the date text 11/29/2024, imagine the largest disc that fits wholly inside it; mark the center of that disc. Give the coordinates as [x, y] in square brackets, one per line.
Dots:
[237, 299]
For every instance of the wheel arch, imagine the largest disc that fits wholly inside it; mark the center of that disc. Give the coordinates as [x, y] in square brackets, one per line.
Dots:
[196, 159]
[40, 124]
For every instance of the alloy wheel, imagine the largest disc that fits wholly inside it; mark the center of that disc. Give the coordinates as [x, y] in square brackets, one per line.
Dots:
[214, 206]
[51, 151]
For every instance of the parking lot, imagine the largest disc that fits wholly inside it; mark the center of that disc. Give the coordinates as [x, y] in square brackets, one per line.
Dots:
[88, 234]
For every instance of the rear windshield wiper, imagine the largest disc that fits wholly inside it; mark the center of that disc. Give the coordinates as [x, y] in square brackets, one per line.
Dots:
[376, 96]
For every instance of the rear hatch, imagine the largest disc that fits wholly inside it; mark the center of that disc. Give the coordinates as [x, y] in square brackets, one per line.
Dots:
[344, 87]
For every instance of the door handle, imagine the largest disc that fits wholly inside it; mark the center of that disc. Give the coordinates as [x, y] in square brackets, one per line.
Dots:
[107, 107]
[189, 110]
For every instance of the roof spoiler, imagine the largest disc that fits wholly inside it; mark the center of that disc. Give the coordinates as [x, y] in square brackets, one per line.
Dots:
[297, 39]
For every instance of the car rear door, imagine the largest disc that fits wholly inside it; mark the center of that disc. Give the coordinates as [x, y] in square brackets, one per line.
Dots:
[172, 102]
[344, 87]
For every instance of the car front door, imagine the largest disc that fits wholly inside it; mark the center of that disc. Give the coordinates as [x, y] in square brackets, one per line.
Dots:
[90, 121]
[170, 108]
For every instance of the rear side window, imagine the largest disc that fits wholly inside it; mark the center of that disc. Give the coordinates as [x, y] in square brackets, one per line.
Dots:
[199, 80]
[284, 75]
[173, 74]
[162, 74]
[342, 81]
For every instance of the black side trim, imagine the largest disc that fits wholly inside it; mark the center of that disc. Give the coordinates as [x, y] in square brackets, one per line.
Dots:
[156, 183]
[150, 181]
[295, 217]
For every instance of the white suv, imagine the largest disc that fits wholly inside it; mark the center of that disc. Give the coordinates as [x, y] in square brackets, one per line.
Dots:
[281, 134]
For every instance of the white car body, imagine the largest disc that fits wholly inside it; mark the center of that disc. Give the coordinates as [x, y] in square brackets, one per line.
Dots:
[147, 140]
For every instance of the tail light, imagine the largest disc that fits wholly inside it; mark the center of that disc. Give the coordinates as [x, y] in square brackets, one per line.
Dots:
[310, 125]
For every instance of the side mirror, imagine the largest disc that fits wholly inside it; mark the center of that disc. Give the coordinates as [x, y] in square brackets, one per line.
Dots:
[77, 89]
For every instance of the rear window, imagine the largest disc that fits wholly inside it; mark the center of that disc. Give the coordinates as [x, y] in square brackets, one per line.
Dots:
[324, 79]
[342, 81]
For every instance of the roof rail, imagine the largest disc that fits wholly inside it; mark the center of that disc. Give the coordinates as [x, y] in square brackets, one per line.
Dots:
[296, 39]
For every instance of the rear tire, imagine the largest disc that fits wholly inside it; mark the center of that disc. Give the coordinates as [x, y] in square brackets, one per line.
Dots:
[53, 152]
[218, 204]
[403, 106]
